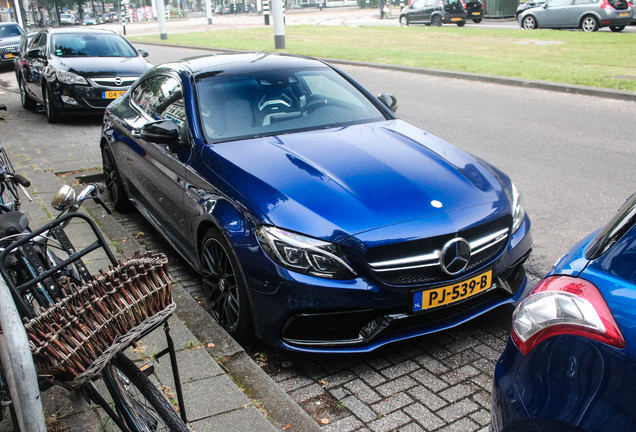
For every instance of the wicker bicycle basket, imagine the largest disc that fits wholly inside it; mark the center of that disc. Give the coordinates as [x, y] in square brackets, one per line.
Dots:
[75, 338]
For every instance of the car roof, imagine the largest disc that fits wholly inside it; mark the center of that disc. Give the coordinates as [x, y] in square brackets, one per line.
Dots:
[80, 30]
[9, 24]
[243, 62]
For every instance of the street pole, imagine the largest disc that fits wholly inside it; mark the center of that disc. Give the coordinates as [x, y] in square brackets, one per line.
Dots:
[208, 11]
[123, 17]
[266, 11]
[161, 12]
[18, 12]
[279, 24]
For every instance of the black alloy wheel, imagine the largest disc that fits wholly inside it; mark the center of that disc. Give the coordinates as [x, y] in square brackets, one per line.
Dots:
[25, 99]
[617, 29]
[224, 284]
[436, 21]
[477, 20]
[52, 114]
[114, 185]
[461, 24]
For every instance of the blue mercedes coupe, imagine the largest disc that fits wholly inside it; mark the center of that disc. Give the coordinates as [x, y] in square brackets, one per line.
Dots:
[318, 220]
[570, 365]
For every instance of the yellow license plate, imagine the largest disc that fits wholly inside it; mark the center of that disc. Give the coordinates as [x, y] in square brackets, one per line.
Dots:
[476, 13]
[423, 300]
[623, 14]
[456, 19]
[112, 94]
[8, 56]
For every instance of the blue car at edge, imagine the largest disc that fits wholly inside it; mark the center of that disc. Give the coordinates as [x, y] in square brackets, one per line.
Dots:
[570, 365]
[319, 221]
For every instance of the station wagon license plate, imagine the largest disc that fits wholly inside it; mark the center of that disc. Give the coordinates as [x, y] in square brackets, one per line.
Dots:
[112, 94]
[423, 300]
[456, 19]
[623, 14]
[8, 56]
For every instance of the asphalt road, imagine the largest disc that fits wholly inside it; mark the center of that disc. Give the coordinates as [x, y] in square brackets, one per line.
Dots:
[572, 156]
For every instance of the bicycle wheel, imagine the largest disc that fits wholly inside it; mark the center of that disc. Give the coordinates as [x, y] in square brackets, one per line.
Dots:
[137, 400]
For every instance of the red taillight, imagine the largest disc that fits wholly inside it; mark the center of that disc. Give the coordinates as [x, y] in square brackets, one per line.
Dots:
[564, 305]
[605, 4]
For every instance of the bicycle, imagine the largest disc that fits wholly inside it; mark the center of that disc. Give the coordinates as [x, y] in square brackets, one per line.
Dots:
[49, 282]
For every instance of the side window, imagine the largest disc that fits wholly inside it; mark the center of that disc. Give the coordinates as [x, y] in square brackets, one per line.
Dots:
[161, 98]
[559, 3]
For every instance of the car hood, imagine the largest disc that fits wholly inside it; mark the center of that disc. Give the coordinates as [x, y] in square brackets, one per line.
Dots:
[9, 40]
[343, 181]
[104, 66]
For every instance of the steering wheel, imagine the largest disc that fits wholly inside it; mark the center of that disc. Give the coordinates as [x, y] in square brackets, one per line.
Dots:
[314, 105]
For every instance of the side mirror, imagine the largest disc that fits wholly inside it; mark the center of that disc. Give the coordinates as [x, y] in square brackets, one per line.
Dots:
[64, 198]
[35, 53]
[389, 100]
[143, 52]
[161, 132]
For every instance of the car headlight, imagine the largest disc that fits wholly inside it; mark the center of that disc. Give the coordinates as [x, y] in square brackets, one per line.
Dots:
[303, 254]
[70, 77]
[518, 212]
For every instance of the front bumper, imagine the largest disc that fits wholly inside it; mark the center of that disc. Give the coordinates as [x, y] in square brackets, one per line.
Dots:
[88, 98]
[305, 313]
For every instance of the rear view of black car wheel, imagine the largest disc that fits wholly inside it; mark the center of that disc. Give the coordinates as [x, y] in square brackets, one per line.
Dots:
[52, 114]
[529, 23]
[461, 24]
[114, 185]
[27, 102]
[617, 29]
[477, 21]
[224, 285]
[589, 24]
[436, 21]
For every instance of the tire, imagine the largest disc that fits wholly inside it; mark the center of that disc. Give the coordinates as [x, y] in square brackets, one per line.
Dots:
[617, 29]
[114, 186]
[461, 24]
[589, 24]
[52, 113]
[529, 23]
[477, 21]
[404, 20]
[142, 406]
[225, 286]
[436, 21]
[25, 99]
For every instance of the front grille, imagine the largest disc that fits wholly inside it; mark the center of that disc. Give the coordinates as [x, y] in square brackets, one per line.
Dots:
[418, 261]
[9, 49]
[114, 81]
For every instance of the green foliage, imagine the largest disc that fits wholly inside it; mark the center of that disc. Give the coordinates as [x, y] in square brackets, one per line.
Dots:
[601, 59]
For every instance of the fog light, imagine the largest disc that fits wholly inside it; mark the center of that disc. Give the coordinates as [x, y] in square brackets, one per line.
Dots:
[69, 100]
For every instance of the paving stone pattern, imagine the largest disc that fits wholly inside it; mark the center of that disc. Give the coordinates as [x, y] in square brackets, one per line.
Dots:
[440, 382]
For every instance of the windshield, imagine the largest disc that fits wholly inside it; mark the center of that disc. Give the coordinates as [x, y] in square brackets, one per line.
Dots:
[234, 106]
[10, 30]
[91, 45]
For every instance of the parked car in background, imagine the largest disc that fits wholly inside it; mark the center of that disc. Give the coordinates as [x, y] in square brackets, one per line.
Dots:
[10, 34]
[527, 5]
[318, 220]
[474, 10]
[218, 9]
[78, 70]
[570, 364]
[434, 12]
[68, 19]
[588, 15]
[18, 60]
[90, 19]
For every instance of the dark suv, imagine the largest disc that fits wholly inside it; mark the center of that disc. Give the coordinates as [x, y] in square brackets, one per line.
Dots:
[474, 10]
[434, 12]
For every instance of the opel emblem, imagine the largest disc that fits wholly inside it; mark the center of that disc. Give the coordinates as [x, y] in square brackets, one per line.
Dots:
[118, 81]
[455, 256]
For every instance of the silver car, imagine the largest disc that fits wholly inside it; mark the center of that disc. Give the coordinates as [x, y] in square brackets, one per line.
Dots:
[588, 15]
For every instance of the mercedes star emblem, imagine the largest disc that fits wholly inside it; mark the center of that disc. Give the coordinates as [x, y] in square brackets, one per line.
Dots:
[455, 256]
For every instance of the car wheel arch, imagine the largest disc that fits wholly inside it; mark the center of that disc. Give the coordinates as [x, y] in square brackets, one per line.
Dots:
[593, 15]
